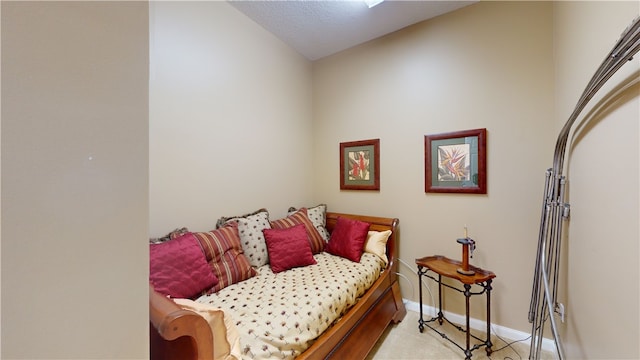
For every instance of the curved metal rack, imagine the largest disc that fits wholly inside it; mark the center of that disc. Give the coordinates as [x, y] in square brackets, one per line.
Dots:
[554, 207]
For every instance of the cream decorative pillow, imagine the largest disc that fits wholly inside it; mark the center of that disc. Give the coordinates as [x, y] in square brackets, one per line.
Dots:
[376, 243]
[250, 228]
[226, 340]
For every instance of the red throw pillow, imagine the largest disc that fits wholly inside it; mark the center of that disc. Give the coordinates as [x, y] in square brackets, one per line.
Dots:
[301, 217]
[288, 248]
[178, 267]
[224, 253]
[347, 238]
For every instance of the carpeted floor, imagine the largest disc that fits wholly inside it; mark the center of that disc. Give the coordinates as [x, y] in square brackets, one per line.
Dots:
[404, 341]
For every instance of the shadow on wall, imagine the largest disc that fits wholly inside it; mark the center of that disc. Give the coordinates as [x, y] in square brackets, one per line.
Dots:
[625, 92]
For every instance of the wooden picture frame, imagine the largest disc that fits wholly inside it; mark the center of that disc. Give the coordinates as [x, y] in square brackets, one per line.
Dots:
[360, 165]
[456, 162]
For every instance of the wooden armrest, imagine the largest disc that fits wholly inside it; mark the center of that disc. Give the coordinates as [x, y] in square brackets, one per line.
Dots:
[171, 322]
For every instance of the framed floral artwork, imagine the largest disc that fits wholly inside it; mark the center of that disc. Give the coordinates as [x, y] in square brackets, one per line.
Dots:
[456, 162]
[360, 165]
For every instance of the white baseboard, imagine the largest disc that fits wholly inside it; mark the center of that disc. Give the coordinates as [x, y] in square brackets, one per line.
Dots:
[501, 331]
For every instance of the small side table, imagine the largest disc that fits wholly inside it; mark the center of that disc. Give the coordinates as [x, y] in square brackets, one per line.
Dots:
[449, 268]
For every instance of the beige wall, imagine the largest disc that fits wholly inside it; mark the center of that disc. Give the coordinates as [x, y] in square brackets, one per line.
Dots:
[230, 118]
[488, 65]
[230, 111]
[600, 284]
[74, 180]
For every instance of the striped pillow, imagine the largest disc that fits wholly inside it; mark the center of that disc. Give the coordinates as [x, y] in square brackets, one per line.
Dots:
[300, 217]
[224, 253]
[318, 216]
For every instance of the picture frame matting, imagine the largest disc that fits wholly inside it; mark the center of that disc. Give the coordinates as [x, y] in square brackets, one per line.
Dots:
[456, 162]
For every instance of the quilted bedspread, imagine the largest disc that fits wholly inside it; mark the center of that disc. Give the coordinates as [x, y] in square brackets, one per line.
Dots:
[280, 315]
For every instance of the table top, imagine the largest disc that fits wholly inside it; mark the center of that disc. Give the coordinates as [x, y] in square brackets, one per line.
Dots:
[449, 268]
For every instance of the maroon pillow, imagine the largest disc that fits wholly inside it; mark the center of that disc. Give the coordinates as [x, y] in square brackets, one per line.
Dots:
[347, 238]
[178, 267]
[288, 248]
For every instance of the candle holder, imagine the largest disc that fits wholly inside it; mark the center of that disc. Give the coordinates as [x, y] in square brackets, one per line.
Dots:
[467, 243]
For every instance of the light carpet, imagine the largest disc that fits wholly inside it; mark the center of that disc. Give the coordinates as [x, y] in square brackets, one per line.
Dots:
[404, 341]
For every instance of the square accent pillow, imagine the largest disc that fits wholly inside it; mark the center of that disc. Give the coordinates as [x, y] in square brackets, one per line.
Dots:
[225, 219]
[178, 268]
[172, 235]
[318, 216]
[250, 228]
[223, 251]
[300, 217]
[347, 239]
[288, 248]
[226, 339]
[377, 244]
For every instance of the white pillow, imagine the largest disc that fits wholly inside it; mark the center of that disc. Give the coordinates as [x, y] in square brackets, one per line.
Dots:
[226, 340]
[376, 243]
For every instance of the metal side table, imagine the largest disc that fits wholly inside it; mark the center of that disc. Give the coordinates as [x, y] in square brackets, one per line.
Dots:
[443, 266]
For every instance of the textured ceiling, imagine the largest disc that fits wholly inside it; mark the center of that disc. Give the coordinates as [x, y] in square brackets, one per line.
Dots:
[320, 28]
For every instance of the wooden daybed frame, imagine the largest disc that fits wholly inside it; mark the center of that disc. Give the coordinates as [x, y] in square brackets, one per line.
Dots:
[181, 334]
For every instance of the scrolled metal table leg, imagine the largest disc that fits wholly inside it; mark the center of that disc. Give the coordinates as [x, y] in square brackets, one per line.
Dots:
[421, 321]
[467, 295]
[489, 344]
[440, 314]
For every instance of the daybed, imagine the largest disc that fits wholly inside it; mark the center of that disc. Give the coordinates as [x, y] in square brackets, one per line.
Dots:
[176, 333]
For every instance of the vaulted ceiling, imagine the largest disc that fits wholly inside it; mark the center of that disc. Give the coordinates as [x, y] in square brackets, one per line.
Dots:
[321, 28]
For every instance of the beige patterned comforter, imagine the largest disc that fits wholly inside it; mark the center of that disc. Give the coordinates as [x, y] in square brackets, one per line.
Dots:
[279, 315]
